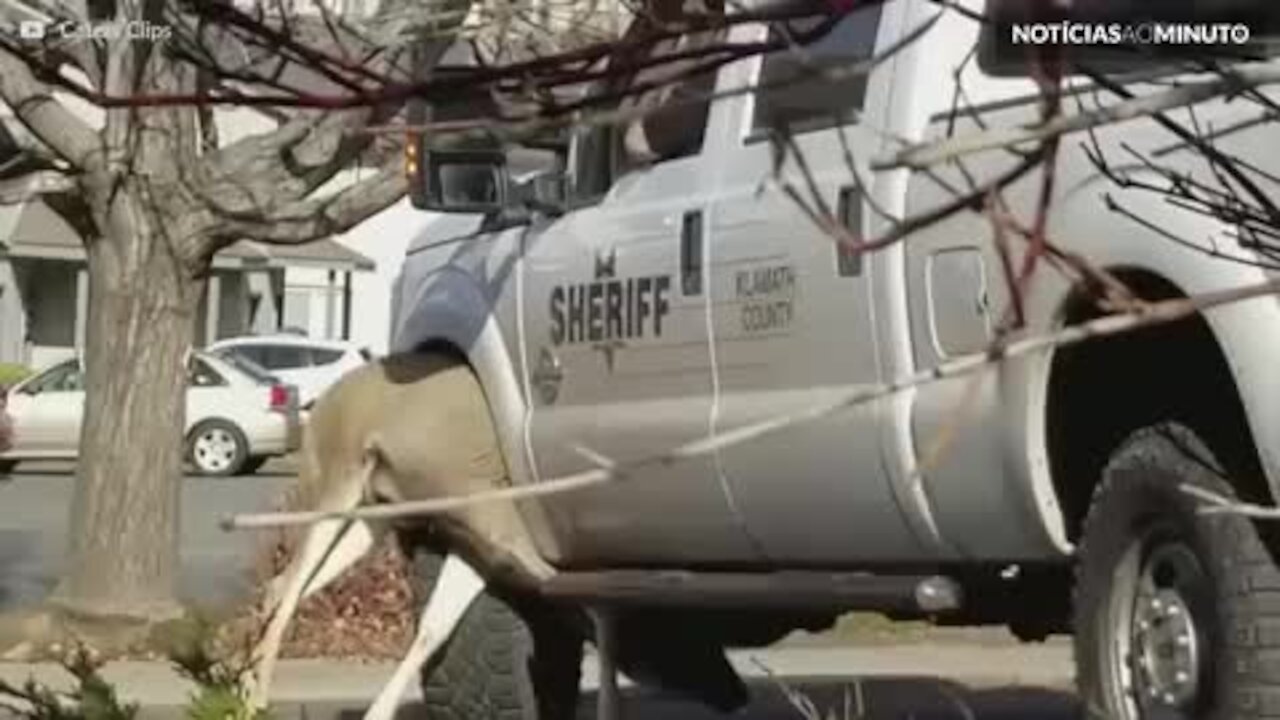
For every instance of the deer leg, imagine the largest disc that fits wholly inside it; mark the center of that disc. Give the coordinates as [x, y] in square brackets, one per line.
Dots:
[357, 541]
[455, 590]
[329, 547]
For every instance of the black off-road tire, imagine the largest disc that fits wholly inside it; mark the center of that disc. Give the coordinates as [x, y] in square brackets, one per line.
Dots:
[1142, 526]
[498, 665]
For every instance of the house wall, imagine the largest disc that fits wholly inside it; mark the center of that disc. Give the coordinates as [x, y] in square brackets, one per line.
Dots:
[13, 321]
[230, 291]
[314, 305]
[39, 304]
[383, 238]
[313, 302]
[310, 300]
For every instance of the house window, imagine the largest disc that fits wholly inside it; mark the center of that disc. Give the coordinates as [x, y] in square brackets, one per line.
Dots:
[49, 298]
[794, 94]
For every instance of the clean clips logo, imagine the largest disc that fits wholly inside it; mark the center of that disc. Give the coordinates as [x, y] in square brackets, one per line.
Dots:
[139, 30]
[35, 25]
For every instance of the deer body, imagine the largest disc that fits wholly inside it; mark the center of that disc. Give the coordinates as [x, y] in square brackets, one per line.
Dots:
[408, 427]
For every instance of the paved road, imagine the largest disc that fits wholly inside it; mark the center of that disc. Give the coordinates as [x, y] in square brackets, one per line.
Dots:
[913, 682]
[881, 699]
[34, 514]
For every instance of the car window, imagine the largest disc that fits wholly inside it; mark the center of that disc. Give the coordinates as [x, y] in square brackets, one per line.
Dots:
[322, 356]
[795, 96]
[283, 357]
[253, 353]
[255, 371]
[199, 374]
[61, 378]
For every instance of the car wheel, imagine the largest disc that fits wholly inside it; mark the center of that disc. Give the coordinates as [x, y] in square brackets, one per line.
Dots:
[498, 665]
[1174, 615]
[217, 448]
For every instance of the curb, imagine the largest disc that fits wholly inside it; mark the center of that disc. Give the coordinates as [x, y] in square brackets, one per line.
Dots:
[311, 689]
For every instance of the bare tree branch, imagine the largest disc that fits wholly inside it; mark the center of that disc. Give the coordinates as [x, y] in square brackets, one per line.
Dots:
[313, 219]
[34, 105]
[1231, 80]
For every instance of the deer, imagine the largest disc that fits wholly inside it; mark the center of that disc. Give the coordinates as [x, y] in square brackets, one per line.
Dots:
[403, 428]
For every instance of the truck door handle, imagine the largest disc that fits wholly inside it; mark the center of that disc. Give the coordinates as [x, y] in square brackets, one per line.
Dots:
[849, 215]
[691, 252]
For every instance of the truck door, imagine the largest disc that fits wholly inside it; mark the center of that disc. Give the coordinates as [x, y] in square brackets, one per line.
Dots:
[617, 347]
[793, 320]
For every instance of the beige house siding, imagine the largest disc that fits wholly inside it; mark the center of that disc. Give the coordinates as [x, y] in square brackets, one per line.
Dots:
[44, 285]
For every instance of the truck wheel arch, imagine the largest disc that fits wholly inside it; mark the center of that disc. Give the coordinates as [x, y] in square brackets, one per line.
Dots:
[1084, 421]
[452, 315]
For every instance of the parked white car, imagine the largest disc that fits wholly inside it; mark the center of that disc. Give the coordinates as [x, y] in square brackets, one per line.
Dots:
[238, 415]
[310, 365]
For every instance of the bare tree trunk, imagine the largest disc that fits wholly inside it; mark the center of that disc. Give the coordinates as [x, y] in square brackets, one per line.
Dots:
[124, 516]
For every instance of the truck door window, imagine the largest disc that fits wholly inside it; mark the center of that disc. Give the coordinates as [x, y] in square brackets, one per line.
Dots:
[793, 94]
[673, 112]
[665, 118]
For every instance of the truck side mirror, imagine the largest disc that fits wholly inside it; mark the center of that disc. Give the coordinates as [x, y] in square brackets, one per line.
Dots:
[458, 181]
[545, 192]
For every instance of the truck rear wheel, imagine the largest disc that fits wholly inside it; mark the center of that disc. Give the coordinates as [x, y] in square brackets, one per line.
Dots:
[500, 664]
[1177, 613]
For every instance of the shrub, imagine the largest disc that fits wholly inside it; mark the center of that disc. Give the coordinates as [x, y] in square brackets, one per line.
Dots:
[220, 694]
[11, 373]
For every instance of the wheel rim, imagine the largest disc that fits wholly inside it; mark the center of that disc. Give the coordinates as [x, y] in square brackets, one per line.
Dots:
[215, 450]
[1158, 642]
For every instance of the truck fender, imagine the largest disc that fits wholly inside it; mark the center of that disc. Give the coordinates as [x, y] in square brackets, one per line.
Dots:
[451, 310]
[1249, 353]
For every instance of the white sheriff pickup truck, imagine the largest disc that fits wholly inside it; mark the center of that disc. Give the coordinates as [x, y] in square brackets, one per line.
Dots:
[676, 292]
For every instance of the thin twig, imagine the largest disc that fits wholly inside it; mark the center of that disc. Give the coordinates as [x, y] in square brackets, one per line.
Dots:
[1222, 505]
[924, 155]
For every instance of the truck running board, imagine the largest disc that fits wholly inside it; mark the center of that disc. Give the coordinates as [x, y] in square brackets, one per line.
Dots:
[783, 590]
